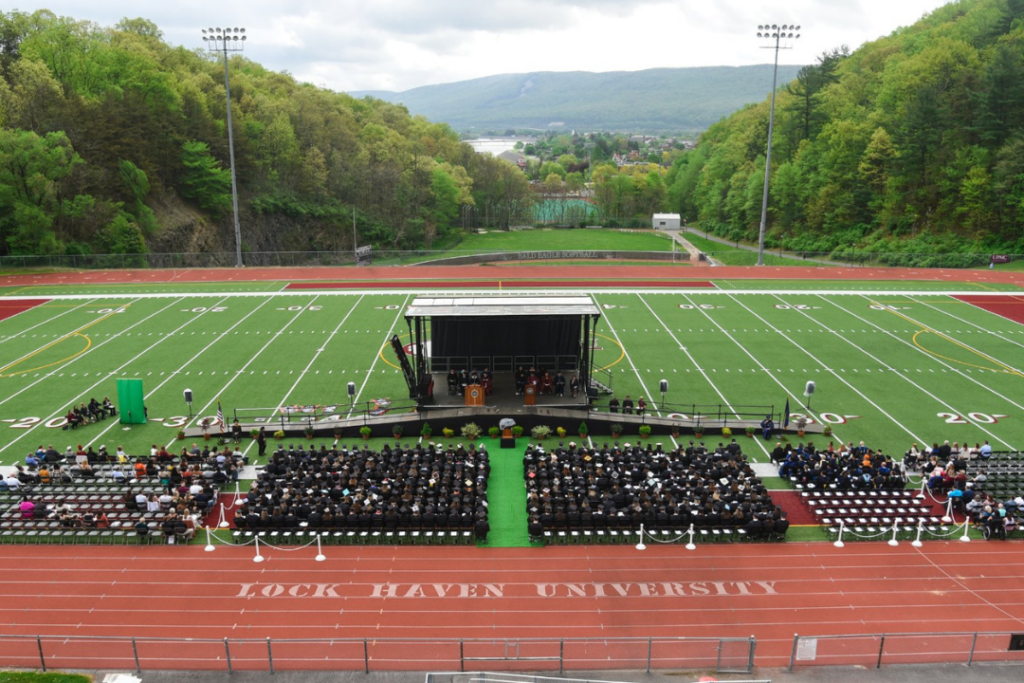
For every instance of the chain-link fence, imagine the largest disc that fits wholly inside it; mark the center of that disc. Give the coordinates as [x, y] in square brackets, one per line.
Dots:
[874, 650]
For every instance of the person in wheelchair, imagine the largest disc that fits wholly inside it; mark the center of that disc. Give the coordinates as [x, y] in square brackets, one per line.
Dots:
[996, 524]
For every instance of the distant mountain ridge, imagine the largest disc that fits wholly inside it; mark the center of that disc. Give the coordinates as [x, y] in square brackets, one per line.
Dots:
[689, 99]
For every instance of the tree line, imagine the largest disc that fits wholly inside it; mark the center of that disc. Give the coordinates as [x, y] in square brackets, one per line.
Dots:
[113, 141]
[913, 144]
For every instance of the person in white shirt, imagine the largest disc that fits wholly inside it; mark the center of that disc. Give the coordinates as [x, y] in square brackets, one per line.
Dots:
[153, 504]
[12, 482]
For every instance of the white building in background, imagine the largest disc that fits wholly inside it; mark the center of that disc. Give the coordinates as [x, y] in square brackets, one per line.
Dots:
[665, 221]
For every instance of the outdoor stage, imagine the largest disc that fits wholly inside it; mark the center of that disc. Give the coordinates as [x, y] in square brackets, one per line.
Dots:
[503, 395]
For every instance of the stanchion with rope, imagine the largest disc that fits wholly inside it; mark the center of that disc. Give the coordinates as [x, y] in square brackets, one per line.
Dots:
[209, 543]
[839, 541]
[966, 538]
[223, 523]
[920, 529]
[258, 558]
[640, 545]
[948, 517]
[895, 530]
[691, 545]
[320, 557]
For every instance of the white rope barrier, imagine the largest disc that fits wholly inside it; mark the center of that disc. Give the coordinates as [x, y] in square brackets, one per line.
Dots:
[894, 530]
[689, 546]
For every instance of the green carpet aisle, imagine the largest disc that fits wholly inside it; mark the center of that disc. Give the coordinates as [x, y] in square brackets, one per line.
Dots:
[506, 497]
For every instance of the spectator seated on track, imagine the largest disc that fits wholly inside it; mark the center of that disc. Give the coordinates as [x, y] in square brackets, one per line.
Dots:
[617, 487]
[424, 487]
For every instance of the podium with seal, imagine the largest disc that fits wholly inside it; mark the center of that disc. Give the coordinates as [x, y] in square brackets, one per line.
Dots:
[530, 394]
[474, 395]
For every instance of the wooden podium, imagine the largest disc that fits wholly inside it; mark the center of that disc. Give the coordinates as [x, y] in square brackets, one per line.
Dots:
[507, 440]
[531, 395]
[474, 395]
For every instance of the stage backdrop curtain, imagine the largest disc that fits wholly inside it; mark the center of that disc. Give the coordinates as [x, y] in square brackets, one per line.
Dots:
[509, 336]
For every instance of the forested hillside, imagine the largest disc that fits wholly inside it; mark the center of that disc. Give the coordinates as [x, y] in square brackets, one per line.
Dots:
[684, 99]
[112, 141]
[912, 144]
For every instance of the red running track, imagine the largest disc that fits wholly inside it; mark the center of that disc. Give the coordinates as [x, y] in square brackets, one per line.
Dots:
[770, 591]
[438, 276]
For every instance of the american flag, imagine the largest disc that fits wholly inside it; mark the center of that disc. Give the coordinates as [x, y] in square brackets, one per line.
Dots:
[220, 414]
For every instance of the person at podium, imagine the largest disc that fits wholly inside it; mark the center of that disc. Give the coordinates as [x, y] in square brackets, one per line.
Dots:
[520, 381]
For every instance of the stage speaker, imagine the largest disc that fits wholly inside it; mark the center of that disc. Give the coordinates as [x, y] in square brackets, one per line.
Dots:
[809, 389]
[664, 386]
[351, 388]
[188, 396]
[1016, 642]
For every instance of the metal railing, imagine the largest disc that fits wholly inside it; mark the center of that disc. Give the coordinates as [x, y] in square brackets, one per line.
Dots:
[726, 655]
[874, 650]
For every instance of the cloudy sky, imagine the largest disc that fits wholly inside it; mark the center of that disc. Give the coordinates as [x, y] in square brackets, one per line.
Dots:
[402, 44]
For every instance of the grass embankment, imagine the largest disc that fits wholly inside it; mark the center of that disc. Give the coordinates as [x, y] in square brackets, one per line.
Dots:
[731, 255]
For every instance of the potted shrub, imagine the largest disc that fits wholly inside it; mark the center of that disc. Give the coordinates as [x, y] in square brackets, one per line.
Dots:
[801, 425]
[471, 430]
[337, 433]
[279, 434]
[448, 432]
[396, 431]
[493, 432]
[583, 430]
[561, 432]
[645, 431]
[827, 431]
[751, 431]
[426, 431]
[698, 430]
[615, 429]
[365, 432]
[675, 431]
[254, 434]
[181, 435]
[517, 431]
[540, 432]
[726, 432]
[309, 431]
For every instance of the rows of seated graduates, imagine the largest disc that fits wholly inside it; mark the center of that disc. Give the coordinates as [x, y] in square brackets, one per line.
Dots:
[845, 467]
[422, 487]
[622, 487]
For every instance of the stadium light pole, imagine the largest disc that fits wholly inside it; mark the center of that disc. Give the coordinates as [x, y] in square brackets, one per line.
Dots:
[225, 41]
[778, 34]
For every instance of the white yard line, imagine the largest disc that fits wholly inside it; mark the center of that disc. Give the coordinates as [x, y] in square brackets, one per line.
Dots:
[928, 355]
[636, 370]
[239, 372]
[832, 372]
[899, 374]
[797, 398]
[302, 374]
[376, 357]
[696, 365]
[107, 375]
[175, 373]
[972, 324]
[79, 357]
[48, 320]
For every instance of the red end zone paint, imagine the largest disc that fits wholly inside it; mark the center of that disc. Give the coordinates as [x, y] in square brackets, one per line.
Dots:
[402, 284]
[1010, 307]
[9, 308]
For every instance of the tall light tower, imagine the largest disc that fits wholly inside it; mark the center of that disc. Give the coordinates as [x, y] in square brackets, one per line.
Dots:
[778, 34]
[225, 41]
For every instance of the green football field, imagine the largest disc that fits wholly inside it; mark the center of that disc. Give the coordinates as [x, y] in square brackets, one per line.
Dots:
[890, 368]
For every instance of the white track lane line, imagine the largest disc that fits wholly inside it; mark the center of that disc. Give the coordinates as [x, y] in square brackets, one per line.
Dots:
[108, 375]
[249, 362]
[376, 357]
[899, 374]
[832, 372]
[48, 320]
[172, 375]
[930, 356]
[797, 398]
[696, 365]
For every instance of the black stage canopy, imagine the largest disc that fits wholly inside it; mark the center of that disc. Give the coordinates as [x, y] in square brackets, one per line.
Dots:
[500, 332]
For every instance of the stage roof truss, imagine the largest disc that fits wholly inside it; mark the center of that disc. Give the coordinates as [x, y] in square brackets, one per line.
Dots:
[448, 307]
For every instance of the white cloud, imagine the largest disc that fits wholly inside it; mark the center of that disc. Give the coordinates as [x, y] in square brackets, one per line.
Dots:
[402, 44]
